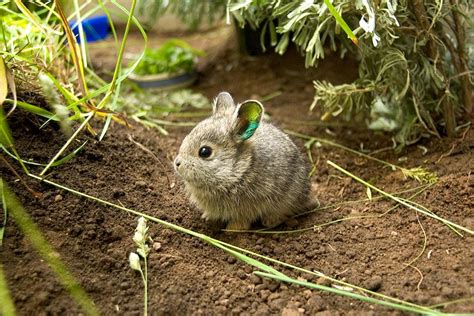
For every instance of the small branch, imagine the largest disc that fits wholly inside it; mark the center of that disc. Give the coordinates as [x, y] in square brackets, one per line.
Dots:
[399, 200]
[33, 192]
[460, 37]
[142, 147]
[433, 53]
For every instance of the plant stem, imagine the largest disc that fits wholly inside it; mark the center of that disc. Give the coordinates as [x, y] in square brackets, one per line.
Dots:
[463, 69]
[433, 53]
[399, 200]
[331, 143]
[145, 283]
[342, 292]
[341, 22]
[118, 65]
[90, 115]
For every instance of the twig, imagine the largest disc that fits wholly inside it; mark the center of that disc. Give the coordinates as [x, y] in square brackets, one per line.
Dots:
[142, 147]
[422, 250]
[33, 192]
[400, 201]
[457, 142]
[460, 38]
[433, 53]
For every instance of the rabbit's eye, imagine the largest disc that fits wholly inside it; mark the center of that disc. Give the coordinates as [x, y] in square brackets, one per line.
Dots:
[205, 151]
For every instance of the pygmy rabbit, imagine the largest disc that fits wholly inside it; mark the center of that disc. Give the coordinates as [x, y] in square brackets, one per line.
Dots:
[239, 169]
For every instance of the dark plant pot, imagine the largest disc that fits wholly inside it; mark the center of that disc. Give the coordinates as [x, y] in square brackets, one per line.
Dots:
[165, 81]
[249, 40]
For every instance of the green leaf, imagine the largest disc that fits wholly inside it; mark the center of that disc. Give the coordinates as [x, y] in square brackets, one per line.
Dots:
[369, 194]
[341, 22]
[36, 110]
[5, 134]
[3, 82]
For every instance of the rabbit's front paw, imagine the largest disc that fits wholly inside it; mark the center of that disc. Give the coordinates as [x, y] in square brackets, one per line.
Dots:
[238, 225]
[205, 216]
[271, 222]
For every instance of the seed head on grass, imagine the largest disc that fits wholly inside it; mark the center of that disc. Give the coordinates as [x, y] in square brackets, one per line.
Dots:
[421, 175]
[134, 261]
[140, 238]
[53, 98]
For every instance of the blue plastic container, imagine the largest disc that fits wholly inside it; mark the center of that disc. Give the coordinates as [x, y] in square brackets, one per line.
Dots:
[95, 28]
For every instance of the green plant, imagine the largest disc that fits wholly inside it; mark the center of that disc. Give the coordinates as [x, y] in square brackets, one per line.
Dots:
[8, 307]
[140, 239]
[191, 12]
[171, 57]
[154, 109]
[415, 74]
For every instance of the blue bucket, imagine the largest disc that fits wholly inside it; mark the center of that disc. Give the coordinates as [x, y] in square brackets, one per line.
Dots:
[95, 28]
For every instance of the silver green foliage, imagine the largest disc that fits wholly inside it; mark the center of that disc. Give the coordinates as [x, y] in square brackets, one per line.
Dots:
[191, 12]
[400, 89]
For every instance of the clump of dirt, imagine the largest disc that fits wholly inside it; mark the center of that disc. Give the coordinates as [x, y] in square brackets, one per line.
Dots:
[399, 253]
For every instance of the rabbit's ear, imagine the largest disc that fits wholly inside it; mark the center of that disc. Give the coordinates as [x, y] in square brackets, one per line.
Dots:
[247, 118]
[223, 104]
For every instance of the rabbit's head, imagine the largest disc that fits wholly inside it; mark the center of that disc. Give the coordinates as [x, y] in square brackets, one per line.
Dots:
[216, 153]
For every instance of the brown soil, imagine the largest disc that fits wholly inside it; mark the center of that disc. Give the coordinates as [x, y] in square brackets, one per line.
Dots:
[187, 276]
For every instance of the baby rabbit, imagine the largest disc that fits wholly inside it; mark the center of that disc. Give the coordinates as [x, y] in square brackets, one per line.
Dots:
[239, 169]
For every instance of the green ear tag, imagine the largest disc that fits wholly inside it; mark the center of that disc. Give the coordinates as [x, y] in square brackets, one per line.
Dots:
[249, 116]
[249, 131]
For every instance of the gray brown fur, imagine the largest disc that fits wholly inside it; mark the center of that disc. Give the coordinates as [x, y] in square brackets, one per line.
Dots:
[263, 178]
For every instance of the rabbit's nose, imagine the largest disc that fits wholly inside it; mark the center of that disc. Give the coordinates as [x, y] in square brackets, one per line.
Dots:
[177, 162]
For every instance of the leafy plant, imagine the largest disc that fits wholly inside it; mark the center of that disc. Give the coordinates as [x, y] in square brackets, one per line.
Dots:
[414, 71]
[155, 109]
[171, 57]
[191, 12]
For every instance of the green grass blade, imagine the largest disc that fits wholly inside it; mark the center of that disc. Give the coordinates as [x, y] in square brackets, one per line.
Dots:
[5, 215]
[49, 255]
[3, 81]
[90, 115]
[118, 65]
[419, 174]
[56, 163]
[35, 110]
[401, 201]
[246, 259]
[349, 294]
[5, 134]
[6, 138]
[7, 306]
[341, 22]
